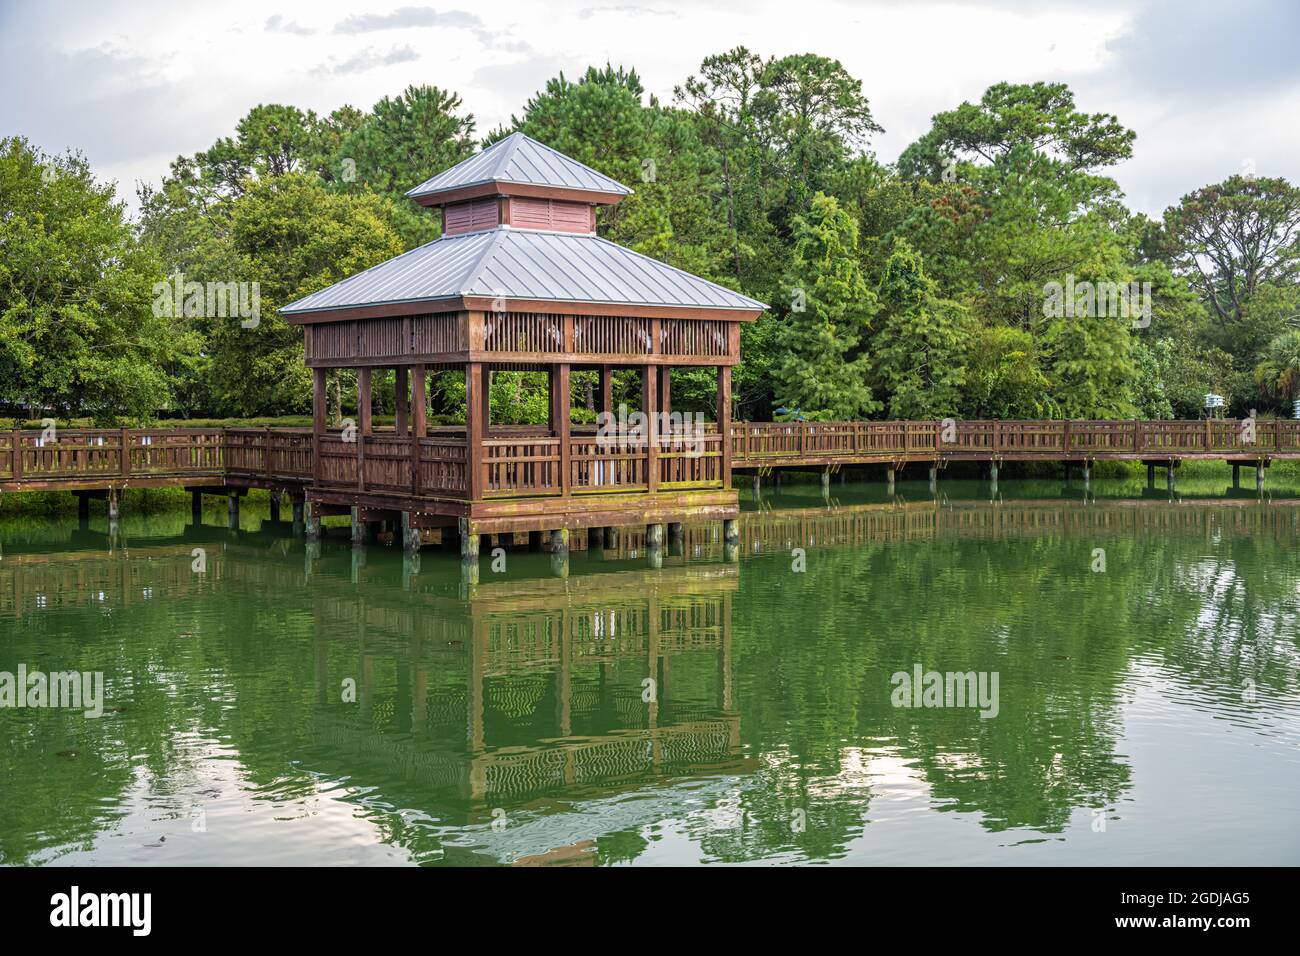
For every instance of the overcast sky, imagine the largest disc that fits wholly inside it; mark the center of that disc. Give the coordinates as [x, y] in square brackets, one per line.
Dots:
[1211, 88]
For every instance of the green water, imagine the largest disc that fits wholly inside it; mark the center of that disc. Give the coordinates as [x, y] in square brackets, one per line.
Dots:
[709, 710]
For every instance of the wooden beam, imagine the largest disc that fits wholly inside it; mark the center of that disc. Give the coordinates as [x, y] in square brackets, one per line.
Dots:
[474, 430]
[403, 399]
[665, 390]
[365, 402]
[317, 418]
[649, 393]
[605, 400]
[561, 414]
[723, 416]
[419, 422]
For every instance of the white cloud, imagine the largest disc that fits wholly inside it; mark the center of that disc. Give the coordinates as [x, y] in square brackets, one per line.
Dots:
[136, 85]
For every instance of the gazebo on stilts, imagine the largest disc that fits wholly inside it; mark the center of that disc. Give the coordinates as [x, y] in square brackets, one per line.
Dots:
[520, 281]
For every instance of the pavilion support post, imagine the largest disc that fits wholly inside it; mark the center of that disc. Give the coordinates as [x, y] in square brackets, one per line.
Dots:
[934, 478]
[469, 541]
[403, 400]
[365, 404]
[311, 522]
[605, 400]
[650, 407]
[232, 512]
[317, 419]
[1236, 474]
[360, 530]
[1171, 476]
[731, 530]
[654, 535]
[611, 538]
[275, 506]
[889, 480]
[723, 417]
[114, 501]
[474, 433]
[297, 516]
[410, 534]
[826, 483]
[560, 541]
[560, 416]
[665, 391]
[419, 422]
[758, 486]
[1151, 475]
[485, 394]
[1259, 476]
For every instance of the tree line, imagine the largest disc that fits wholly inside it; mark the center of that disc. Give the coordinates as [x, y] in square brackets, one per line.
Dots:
[993, 270]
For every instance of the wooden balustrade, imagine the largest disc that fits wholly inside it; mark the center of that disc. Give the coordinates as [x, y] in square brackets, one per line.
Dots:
[521, 461]
[758, 442]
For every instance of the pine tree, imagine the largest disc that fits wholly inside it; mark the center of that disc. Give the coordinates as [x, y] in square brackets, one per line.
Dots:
[921, 346]
[824, 371]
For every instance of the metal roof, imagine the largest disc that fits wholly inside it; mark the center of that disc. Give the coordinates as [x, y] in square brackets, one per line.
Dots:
[521, 160]
[524, 264]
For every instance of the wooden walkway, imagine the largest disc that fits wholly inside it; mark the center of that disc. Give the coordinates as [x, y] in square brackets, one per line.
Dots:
[387, 474]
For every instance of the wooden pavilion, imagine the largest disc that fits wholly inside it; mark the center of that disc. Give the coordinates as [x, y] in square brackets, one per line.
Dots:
[519, 280]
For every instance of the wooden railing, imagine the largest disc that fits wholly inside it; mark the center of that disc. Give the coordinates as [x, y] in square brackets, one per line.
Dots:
[522, 461]
[754, 443]
[39, 458]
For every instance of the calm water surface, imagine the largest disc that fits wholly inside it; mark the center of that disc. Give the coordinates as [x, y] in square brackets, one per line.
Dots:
[1147, 712]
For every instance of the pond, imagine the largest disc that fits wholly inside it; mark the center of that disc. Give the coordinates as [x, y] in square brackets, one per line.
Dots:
[1052, 675]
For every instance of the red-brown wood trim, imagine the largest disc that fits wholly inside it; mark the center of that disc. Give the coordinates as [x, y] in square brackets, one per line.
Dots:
[497, 188]
[317, 419]
[547, 306]
[575, 359]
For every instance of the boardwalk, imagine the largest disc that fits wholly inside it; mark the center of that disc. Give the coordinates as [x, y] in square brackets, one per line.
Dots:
[94, 459]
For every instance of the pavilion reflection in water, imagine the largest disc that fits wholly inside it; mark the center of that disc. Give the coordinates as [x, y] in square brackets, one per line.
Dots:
[537, 663]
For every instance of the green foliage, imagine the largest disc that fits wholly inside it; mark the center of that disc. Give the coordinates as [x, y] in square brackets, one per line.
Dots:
[824, 372]
[922, 342]
[924, 284]
[1278, 374]
[77, 330]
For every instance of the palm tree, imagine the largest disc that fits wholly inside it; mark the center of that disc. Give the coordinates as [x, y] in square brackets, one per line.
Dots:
[1278, 373]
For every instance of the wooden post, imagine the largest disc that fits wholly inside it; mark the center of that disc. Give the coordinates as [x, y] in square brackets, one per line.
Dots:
[365, 402]
[126, 452]
[606, 397]
[486, 393]
[649, 391]
[665, 390]
[18, 455]
[419, 422]
[474, 452]
[359, 433]
[403, 399]
[723, 415]
[317, 419]
[560, 415]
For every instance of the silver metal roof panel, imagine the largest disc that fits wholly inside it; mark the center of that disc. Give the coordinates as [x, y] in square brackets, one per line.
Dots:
[521, 160]
[524, 264]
